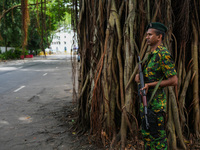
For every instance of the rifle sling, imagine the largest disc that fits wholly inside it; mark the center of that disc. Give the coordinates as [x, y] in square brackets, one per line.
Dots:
[157, 85]
[154, 91]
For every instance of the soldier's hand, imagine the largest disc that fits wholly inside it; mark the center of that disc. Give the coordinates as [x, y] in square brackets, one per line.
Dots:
[146, 87]
[137, 78]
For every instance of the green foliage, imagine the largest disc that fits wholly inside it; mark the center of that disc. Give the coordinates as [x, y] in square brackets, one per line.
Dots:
[57, 14]
[18, 52]
[10, 25]
[34, 37]
[2, 57]
[26, 52]
[12, 54]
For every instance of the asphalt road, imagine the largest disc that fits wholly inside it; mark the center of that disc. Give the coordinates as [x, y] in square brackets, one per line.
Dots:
[19, 73]
[31, 93]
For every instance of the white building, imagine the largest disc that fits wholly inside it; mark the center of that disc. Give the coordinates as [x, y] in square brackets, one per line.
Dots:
[3, 49]
[62, 42]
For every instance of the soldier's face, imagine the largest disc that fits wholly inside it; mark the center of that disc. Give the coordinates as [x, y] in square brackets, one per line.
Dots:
[151, 37]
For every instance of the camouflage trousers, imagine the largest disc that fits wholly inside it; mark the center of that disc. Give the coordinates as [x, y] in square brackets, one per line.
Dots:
[155, 137]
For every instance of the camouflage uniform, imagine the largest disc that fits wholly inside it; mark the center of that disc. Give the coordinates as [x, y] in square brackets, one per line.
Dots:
[159, 64]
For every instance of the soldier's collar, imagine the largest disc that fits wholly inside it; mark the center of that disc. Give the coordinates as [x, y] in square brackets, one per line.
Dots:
[160, 47]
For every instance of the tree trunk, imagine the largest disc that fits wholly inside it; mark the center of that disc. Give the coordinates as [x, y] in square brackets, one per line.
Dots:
[25, 22]
[195, 81]
[111, 34]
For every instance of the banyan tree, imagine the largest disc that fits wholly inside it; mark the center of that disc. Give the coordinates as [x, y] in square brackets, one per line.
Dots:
[111, 34]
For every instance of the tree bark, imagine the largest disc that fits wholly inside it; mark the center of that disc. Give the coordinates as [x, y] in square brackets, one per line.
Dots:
[111, 34]
[196, 81]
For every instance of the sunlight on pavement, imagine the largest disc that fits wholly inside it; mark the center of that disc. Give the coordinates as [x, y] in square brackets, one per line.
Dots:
[4, 122]
[7, 68]
[26, 119]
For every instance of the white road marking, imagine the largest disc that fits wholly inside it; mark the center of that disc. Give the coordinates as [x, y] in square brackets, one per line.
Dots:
[4, 122]
[45, 74]
[20, 88]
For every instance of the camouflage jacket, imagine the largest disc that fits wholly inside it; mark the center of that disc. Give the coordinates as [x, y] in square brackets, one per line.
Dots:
[159, 64]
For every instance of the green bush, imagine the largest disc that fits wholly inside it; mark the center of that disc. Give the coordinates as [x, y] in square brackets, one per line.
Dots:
[2, 57]
[11, 54]
[26, 52]
[18, 52]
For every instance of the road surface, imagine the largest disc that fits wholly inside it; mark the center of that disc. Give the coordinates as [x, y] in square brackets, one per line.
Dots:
[32, 93]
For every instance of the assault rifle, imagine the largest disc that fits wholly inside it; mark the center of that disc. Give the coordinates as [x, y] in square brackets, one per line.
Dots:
[144, 98]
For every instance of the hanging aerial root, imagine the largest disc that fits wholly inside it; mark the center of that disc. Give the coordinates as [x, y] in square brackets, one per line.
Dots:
[176, 117]
[132, 77]
[175, 41]
[117, 88]
[182, 99]
[192, 79]
[189, 66]
[100, 64]
[84, 87]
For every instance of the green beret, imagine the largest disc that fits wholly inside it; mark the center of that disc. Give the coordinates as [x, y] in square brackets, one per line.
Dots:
[158, 26]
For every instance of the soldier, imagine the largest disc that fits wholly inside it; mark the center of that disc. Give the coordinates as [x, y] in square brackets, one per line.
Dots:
[158, 65]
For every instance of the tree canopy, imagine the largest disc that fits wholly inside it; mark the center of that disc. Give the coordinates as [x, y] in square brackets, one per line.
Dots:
[44, 17]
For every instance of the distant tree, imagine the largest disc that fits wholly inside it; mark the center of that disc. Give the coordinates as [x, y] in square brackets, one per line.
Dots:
[25, 23]
[45, 17]
[10, 24]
